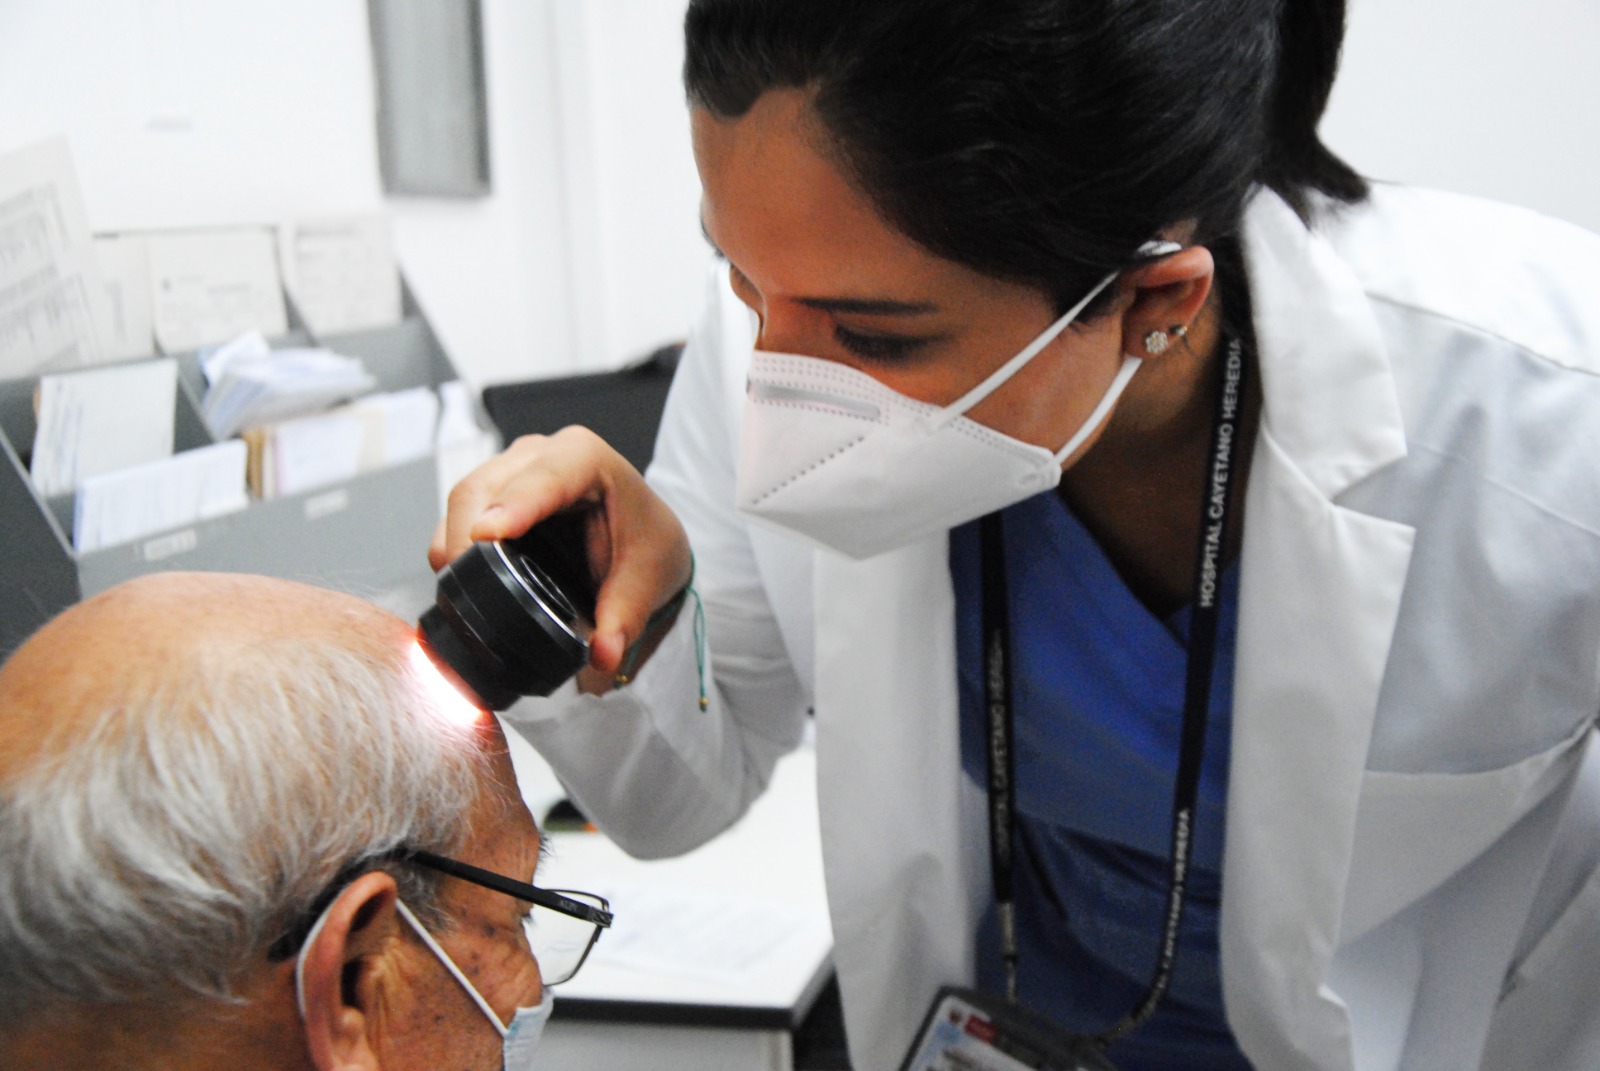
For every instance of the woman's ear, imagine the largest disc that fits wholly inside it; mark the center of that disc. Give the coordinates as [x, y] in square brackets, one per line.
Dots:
[342, 964]
[1167, 294]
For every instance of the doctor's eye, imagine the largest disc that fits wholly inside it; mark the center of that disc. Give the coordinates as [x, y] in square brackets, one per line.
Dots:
[877, 347]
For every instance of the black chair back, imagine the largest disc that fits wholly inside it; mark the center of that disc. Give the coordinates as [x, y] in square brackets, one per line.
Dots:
[622, 407]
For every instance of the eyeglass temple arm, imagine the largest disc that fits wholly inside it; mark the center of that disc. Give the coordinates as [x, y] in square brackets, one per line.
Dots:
[521, 890]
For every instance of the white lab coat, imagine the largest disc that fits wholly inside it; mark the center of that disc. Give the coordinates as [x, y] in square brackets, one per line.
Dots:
[1413, 831]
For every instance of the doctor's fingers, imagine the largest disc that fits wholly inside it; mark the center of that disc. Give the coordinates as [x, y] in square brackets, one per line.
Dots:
[649, 564]
[535, 476]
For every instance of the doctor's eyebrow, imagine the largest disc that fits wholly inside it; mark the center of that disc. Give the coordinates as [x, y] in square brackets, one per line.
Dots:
[858, 306]
[869, 306]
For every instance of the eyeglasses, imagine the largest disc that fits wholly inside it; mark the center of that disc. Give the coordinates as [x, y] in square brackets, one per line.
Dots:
[560, 937]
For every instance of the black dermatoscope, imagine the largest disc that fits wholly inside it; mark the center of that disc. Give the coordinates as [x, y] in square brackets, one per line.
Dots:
[513, 617]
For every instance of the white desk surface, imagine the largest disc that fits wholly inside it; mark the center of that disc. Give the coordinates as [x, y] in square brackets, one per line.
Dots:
[767, 867]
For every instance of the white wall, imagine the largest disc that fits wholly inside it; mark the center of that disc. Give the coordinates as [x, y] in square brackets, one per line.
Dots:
[637, 251]
[188, 113]
[1481, 96]
[199, 112]
[491, 272]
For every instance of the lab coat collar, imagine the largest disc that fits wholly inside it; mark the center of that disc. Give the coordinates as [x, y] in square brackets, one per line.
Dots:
[1330, 400]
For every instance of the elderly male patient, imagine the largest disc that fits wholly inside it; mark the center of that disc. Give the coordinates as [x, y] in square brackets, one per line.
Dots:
[243, 824]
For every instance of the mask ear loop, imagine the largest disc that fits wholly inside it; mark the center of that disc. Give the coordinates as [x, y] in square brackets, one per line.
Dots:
[450, 965]
[1130, 365]
[300, 961]
[1007, 370]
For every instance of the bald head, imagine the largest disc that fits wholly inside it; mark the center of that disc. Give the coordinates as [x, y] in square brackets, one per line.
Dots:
[152, 634]
[188, 760]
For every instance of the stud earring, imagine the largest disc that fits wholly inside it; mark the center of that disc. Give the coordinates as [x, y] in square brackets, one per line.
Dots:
[1156, 342]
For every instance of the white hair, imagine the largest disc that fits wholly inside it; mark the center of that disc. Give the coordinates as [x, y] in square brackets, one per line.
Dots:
[191, 827]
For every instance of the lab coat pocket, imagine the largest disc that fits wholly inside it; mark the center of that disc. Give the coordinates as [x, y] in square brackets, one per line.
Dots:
[1415, 830]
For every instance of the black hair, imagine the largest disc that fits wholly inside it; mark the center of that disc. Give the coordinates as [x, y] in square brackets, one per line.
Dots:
[1043, 141]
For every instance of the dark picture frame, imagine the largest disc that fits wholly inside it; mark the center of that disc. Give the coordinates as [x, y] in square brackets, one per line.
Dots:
[432, 104]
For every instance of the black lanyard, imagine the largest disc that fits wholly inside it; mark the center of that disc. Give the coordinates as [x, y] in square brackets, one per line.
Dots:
[1215, 509]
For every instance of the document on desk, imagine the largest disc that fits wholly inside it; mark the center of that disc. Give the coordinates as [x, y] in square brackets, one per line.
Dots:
[180, 490]
[101, 419]
[213, 285]
[125, 268]
[723, 940]
[740, 922]
[53, 313]
[341, 273]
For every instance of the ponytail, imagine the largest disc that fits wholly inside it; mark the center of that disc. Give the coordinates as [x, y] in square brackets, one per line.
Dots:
[1296, 162]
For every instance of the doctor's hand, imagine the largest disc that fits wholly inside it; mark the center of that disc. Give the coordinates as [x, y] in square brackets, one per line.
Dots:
[637, 548]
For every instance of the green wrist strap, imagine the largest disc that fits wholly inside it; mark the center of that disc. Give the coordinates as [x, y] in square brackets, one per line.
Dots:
[658, 623]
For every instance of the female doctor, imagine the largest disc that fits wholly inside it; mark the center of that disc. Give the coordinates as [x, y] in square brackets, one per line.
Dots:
[1061, 397]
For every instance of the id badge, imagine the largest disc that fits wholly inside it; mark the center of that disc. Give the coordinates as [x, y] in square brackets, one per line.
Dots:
[970, 1031]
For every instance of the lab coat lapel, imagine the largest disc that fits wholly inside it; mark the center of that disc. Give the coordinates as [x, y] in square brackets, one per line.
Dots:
[1319, 593]
[890, 789]
[1320, 589]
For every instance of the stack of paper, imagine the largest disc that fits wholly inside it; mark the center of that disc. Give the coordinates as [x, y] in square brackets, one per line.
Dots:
[305, 453]
[104, 419]
[309, 452]
[250, 384]
[400, 426]
[170, 493]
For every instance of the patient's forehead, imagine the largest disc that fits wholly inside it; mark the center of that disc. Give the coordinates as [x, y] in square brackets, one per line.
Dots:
[153, 632]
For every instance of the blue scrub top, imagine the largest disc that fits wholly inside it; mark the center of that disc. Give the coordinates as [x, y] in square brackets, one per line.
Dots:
[1098, 684]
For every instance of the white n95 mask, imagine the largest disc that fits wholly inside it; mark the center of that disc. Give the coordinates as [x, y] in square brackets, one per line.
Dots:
[829, 453]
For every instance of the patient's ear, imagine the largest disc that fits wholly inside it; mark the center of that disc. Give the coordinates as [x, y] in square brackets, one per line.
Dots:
[343, 968]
